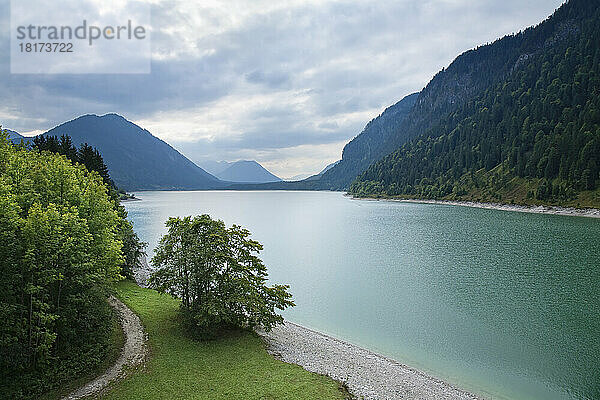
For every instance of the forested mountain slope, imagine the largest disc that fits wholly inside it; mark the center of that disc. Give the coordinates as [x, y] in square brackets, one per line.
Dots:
[531, 136]
[368, 147]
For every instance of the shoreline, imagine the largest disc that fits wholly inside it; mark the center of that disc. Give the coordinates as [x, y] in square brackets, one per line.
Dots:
[366, 374]
[548, 210]
[127, 200]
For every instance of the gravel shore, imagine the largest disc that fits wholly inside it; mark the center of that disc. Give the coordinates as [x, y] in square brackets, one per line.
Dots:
[142, 274]
[367, 375]
[552, 210]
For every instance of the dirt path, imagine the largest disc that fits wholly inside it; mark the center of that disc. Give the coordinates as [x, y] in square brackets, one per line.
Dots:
[133, 353]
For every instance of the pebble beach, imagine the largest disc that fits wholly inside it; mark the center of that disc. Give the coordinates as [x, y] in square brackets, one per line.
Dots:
[367, 375]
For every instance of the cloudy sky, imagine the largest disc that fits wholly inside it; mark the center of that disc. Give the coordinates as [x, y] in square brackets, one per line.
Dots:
[286, 83]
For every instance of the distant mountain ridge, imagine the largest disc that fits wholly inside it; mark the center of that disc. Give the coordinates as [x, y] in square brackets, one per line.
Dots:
[328, 167]
[298, 177]
[214, 167]
[15, 137]
[243, 171]
[367, 147]
[137, 160]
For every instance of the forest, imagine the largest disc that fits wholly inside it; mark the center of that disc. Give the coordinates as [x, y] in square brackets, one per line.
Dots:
[533, 136]
[65, 240]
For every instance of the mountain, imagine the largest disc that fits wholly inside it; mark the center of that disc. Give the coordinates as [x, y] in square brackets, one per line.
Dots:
[298, 177]
[328, 167]
[214, 167]
[136, 159]
[368, 147]
[317, 177]
[15, 137]
[517, 120]
[242, 171]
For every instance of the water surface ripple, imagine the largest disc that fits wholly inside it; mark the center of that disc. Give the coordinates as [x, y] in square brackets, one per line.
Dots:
[504, 304]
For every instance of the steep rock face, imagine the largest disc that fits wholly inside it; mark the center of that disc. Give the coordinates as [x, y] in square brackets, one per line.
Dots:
[471, 73]
[467, 77]
[368, 146]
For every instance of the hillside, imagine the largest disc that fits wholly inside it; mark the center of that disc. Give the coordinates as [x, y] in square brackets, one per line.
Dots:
[328, 167]
[524, 129]
[136, 159]
[243, 171]
[317, 177]
[14, 136]
[298, 177]
[214, 167]
[369, 146]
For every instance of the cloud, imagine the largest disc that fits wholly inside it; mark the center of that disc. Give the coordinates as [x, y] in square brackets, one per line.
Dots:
[287, 83]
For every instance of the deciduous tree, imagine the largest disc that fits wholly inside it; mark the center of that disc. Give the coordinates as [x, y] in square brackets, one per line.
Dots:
[217, 274]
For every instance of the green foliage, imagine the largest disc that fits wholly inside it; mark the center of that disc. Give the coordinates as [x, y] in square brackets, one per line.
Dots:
[59, 251]
[86, 155]
[216, 273]
[539, 123]
[235, 366]
[133, 248]
[91, 158]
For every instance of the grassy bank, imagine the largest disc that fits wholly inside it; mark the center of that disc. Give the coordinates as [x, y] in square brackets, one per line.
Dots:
[235, 367]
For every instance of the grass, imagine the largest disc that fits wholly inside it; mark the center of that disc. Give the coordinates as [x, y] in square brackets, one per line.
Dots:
[233, 367]
[587, 199]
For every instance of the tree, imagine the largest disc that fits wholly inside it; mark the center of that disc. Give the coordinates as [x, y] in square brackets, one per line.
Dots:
[133, 247]
[91, 158]
[217, 274]
[86, 155]
[60, 251]
[67, 148]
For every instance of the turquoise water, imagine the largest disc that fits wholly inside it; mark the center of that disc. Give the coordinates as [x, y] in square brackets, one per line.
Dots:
[503, 304]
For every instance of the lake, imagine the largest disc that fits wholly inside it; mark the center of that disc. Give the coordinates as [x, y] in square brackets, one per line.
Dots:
[503, 304]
